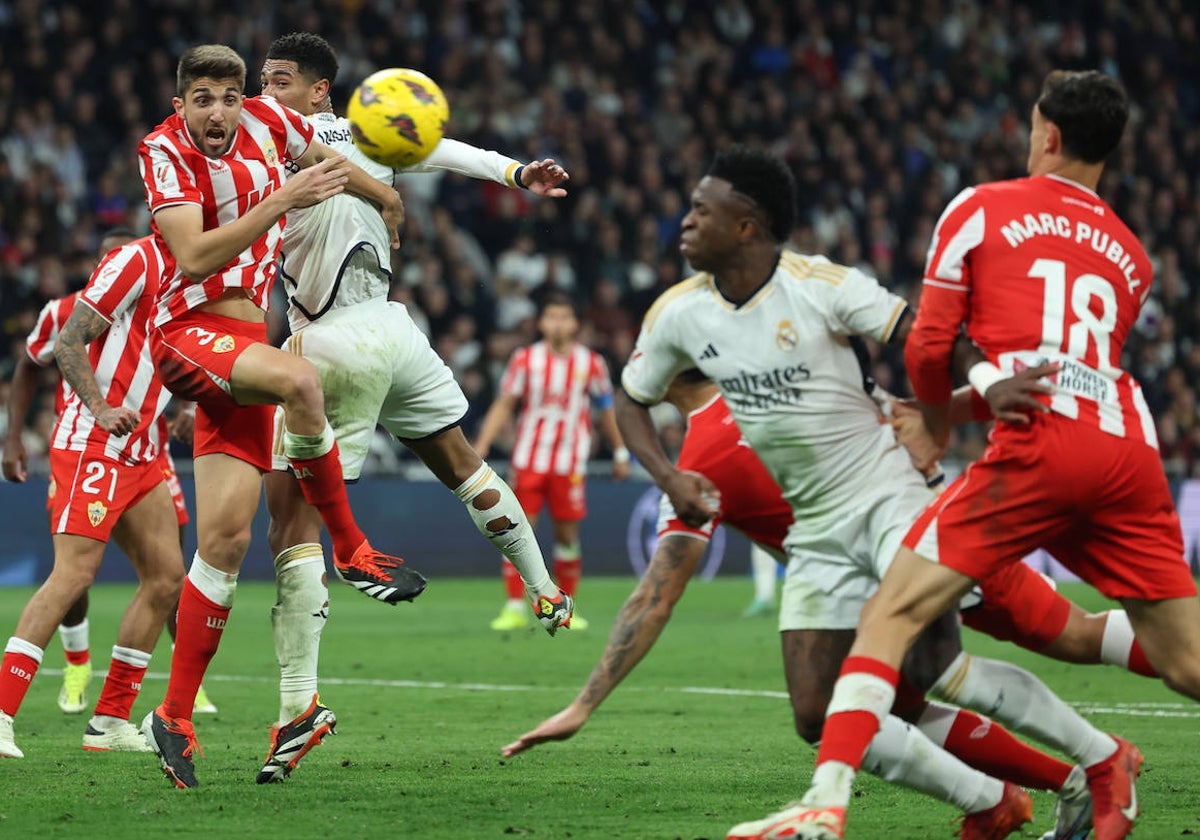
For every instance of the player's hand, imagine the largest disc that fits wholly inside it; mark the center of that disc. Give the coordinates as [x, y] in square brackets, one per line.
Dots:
[318, 182]
[183, 426]
[393, 217]
[912, 434]
[119, 421]
[543, 177]
[15, 461]
[694, 498]
[558, 727]
[1012, 399]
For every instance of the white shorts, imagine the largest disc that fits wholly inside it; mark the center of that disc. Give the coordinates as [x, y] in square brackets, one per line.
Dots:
[835, 562]
[376, 368]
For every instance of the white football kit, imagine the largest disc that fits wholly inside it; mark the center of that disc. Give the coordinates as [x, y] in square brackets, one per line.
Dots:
[784, 363]
[376, 366]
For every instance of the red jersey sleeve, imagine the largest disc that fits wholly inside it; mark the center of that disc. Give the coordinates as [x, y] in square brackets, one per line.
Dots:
[118, 281]
[41, 340]
[599, 381]
[165, 176]
[945, 294]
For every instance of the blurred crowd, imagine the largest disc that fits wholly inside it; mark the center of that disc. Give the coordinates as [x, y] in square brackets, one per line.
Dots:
[883, 109]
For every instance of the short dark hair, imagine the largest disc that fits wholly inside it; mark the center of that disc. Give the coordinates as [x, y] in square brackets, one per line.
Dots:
[1090, 110]
[209, 61]
[550, 296]
[763, 178]
[312, 53]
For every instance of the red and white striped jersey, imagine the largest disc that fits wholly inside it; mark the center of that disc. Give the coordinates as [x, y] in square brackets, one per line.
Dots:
[122, 291]
[175, 172]
[554, 431]
[1040, 270]
[41, 340]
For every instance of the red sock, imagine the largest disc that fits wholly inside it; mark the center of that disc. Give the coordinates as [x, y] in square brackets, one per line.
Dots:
[199, 627]
[988, 746]
[121, 688]
[513, 585]
[78, 657]
[567, 574]
[324, 488]
[16, 673]
[1138, 663]
[848, 733]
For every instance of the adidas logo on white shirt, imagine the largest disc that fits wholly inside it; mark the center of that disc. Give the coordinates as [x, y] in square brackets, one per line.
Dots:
[710, 352]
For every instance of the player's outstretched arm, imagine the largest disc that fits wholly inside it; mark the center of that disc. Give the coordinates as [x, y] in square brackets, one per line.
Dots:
[638, 626]
[86, 325]
[544, 177]
[24, 386]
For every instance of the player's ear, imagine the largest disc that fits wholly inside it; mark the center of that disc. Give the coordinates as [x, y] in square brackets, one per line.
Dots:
[320, 90]
[1053, 142]
[177, 103]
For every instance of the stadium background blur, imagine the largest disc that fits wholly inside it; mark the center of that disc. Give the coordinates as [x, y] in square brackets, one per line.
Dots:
[883, 109]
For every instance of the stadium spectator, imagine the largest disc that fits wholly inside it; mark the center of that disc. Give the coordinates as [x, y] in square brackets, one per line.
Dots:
[894, 108]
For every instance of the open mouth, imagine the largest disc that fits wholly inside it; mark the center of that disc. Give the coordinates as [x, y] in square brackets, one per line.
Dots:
[214, 136]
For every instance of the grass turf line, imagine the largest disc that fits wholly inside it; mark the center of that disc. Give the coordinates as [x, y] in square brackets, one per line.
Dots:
[656, 761]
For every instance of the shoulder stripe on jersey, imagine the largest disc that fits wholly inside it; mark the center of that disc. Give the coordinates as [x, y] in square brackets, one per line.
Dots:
[950, 263]
[694, 282]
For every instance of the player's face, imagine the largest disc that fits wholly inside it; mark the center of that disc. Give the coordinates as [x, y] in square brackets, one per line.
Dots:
[210, 110]
[284, 81]
[710, 227]
[558, 325]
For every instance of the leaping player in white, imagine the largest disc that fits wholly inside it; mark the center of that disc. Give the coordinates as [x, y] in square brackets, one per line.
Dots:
[376, 367]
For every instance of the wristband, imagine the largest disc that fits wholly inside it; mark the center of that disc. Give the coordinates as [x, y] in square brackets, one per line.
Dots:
[517, 177]
[621, 455]
[984, 375]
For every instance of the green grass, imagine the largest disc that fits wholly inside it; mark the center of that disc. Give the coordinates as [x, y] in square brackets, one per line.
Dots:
[422, 720]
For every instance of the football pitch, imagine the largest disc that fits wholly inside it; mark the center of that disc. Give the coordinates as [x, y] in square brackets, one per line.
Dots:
[697, 739]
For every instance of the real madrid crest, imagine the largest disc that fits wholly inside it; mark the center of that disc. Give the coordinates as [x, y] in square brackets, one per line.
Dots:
[786, 337]
[96, 512]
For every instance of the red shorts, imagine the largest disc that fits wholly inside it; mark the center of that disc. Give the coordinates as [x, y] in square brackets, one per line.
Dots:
[1099, 503]
[167, 466]
[194, 355]
[565, 493]
[91, 491]
[1019, 605]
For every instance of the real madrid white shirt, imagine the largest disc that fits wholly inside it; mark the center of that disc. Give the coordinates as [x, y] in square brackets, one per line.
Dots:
[338, 252]
[784, 363]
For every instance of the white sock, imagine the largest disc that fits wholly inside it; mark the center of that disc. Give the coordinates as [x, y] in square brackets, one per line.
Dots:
[308, 446]
[215, 585]
[298, 617]
[131, 656]
[75, 638]
[903, 755]
[1117, 640]
[1019, 700]
[31, 650]
[833, 781]
[765, 569]
[497, 515]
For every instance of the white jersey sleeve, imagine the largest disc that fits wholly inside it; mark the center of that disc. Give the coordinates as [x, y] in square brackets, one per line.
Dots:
[465, 159]
[855, 303]
[659, 354]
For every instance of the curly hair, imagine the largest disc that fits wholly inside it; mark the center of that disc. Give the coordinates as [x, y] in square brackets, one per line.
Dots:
[763, 178]
[313, 55]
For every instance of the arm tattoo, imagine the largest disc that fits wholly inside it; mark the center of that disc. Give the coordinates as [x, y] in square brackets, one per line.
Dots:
[641, 619]
[84, 325]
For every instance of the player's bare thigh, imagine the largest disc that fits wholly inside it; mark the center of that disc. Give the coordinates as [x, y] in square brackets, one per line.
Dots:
[227, 495]
[1169, 633]
[148, 535]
